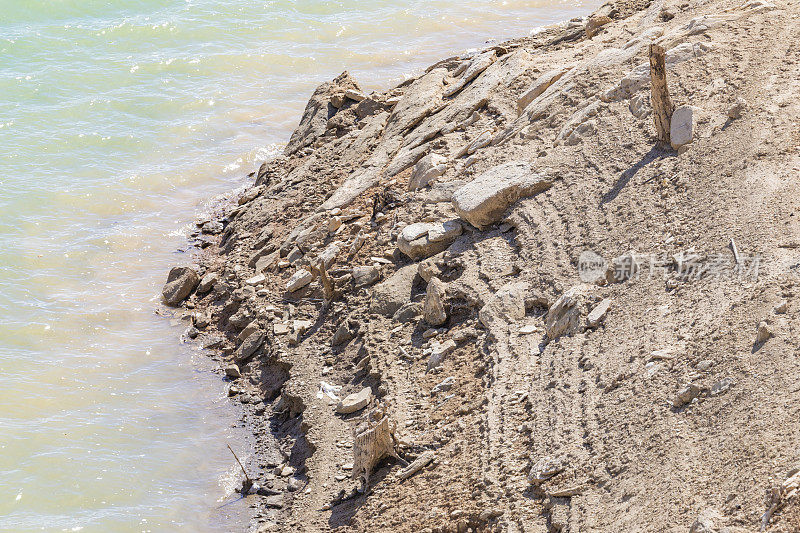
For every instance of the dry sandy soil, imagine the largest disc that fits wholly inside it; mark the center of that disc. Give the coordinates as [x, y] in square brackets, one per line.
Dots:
[551, 396]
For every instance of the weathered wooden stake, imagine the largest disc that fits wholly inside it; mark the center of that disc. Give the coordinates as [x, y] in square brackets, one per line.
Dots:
[659, 93]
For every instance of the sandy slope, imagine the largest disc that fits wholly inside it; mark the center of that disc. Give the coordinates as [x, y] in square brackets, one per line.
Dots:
[600, 402]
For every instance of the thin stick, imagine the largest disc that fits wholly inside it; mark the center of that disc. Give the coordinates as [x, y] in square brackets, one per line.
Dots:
[240, 465]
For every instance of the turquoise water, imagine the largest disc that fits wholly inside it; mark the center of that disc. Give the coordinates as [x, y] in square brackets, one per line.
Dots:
[119, 121]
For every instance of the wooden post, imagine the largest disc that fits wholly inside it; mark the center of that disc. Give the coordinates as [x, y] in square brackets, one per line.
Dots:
[659, 93]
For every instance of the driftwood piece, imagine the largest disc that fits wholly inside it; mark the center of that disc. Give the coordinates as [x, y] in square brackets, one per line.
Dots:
[421, 462]
[372, 441]
[659, 93]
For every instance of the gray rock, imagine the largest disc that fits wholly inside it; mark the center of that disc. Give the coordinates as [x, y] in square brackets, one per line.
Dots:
[681, 130]
[764, 333]
[233, 372]
[483, 201]
[364, 276]
[268, 261]
[252, 343]
[433, 311]
[181, 281]
[424, 239]
[300, 279]
[408, 313]
[391, 294]
[426, 170]
[738, 107]
[355, 402]
[207, 283]
[688, 393]
[344, 333]
[439, 351]
[566, 315]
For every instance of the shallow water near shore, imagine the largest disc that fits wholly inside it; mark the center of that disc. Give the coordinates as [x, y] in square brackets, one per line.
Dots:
[119, 122]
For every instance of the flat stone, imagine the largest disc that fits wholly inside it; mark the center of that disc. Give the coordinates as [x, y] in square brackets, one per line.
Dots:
[541, 84]
[300, 279]
[268, 261]
[598, 314]
[444, 386]
[682, 126]
[355, 402]
[483, 201]
[423, 239]
[258, 279]
[181, 281]
[252, 343]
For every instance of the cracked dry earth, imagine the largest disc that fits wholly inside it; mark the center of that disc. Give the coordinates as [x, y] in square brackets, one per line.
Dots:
[428, 244]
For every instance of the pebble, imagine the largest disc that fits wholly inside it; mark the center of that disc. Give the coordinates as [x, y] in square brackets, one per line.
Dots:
[300, 279]
[764, 333]
[233, 372]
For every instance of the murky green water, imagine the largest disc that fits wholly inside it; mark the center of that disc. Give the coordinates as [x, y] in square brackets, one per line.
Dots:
[118, 120]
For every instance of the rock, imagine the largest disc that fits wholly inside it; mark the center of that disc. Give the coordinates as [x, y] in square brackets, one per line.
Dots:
[328, 255]
[258, 279]
[344, 334]
[478, 64]
[439, 351]
[355, 402]
[294, 484]
[294, 256]
[781, 308]
[334, 224]
[688, 393]
[212, 227]
[392, 293]
[598, 313]
[181, 281]
[300, 279]
[287, 471]
[364, 276]
[544, 469]
[640, 106]
[233, 372]
[483, 201]
[506, 305]
[274, 502]
[681, 130]
[252, 343]
[426, 170]
[764, 333]
[408, 313]
[595, 23]
[736, 110]
[565, 316]
[355, 95]
[267, 262]
[207, 283]
[428, 269]
[314, 121]
[527, 330]
[444, 386]
[541, 84]
[424, 239]
[433, 311]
